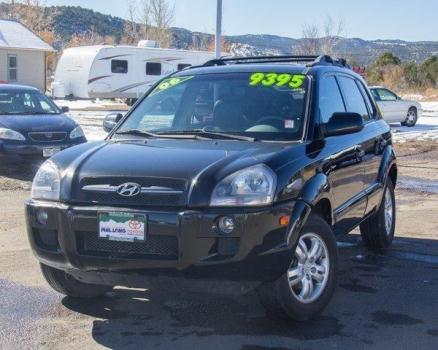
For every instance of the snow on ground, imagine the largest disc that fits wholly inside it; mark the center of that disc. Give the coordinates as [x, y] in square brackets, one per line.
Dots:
[91, 123]
[92, 105]
[90, 118]
[426, 128]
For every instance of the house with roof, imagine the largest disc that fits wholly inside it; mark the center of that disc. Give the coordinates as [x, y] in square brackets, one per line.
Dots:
[22, 55]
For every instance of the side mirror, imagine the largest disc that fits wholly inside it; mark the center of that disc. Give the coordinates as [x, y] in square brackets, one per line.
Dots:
[111, 121]
[342, 124]
[65, 109]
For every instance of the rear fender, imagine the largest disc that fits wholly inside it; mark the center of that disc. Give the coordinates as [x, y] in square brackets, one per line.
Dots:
[388, 161]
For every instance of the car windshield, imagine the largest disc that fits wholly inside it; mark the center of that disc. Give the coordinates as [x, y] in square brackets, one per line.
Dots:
[26, 102]
[263, 106]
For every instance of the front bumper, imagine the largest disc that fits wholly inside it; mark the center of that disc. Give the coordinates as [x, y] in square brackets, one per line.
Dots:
[179, 243]
[16, 148]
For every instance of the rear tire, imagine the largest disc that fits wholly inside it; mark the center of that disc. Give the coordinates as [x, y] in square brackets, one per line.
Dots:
[411, 118]
[66, 284]
[308, 285]
[378, 231]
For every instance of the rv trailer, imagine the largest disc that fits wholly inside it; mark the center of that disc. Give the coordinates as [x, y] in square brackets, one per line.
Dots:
[124, 72]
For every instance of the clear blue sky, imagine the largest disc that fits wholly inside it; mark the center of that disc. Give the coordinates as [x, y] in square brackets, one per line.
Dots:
[369, 19]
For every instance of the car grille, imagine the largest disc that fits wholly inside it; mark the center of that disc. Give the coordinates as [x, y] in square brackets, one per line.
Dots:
[175, 197]
[155, 247]
[50, 136]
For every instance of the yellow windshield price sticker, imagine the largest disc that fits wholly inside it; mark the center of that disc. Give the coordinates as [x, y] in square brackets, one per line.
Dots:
[293, 81]
[170, 83]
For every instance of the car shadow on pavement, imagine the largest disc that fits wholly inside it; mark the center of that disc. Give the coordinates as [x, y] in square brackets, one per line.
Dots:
[381, 299]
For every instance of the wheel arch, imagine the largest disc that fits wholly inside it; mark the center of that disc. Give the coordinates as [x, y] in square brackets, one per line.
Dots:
[315, 197]
[388, 166]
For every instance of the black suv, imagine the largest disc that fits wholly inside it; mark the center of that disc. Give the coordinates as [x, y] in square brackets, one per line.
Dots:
[241, 170]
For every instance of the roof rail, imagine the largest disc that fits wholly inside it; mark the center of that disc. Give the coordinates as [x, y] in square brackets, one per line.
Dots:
[326, 60]
[258, 59]
[323, 60]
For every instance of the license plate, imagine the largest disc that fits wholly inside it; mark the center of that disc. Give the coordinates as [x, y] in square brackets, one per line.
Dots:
[50, 151]
[119, 226]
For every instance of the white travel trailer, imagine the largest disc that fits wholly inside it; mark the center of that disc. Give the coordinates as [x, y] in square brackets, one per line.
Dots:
[118, 71]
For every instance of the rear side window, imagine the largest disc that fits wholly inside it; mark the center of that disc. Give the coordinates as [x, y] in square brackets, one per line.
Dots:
[367, 98]
[119, 66]
[353, 98]
[153, 68]
[375, 94]
[330, 99]
[181, 66]
[386, 95]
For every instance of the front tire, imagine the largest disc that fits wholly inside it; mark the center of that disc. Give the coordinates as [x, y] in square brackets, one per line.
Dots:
[411, 118]
[378, 231]
[66, 284]
[309, 283]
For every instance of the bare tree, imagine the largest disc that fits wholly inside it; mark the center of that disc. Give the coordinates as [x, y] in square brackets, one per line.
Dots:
[162, 15]
[309, 44]
[31, 13]
[332, 31]
[131, 30]
[149, 19]
[313, 43]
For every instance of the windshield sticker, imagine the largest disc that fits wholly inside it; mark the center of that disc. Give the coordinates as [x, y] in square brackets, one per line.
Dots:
[293, 81]
[289, 124]
[170, 83]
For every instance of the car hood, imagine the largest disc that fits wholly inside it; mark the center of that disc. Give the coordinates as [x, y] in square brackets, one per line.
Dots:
[36, 123]
[188, 166]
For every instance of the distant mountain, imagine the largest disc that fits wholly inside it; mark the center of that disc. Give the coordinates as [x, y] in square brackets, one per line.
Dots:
[70, 20]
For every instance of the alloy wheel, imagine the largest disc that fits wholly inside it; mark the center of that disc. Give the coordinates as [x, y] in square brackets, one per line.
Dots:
[309, 272]
[388, 211]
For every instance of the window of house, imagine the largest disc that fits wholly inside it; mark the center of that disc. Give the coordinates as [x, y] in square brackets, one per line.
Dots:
[181, 66]
[353, 98]
[119, 66]
[12, 67]
[153, 68]
[330, 99]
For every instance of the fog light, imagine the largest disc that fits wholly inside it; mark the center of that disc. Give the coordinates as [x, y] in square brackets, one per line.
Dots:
[226, 224]
[42, 216]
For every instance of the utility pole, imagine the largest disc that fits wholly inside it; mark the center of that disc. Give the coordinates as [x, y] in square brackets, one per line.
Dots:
[218, 38]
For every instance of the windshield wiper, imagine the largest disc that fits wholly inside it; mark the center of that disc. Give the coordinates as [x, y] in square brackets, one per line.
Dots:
[138, 132]
[214, 134]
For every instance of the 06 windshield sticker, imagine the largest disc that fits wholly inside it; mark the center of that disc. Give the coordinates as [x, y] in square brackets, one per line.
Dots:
[170, 83]
[292, 81]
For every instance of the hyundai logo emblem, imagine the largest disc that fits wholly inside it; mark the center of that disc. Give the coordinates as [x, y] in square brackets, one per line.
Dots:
[129, 189]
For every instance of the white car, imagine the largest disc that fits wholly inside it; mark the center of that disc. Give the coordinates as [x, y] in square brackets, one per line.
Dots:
[394, 108]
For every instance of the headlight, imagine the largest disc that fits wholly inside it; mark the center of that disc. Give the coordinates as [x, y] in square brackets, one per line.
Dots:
[252, 186]
[46, 183]
[76, 133]
[8, 134]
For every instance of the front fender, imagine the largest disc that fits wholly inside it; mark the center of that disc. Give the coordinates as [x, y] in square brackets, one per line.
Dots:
[315, 189]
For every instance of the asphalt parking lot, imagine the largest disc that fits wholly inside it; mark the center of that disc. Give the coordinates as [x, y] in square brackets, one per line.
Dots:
[384, 300]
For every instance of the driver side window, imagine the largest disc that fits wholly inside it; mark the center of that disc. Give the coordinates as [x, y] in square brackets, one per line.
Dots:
[330, 99]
